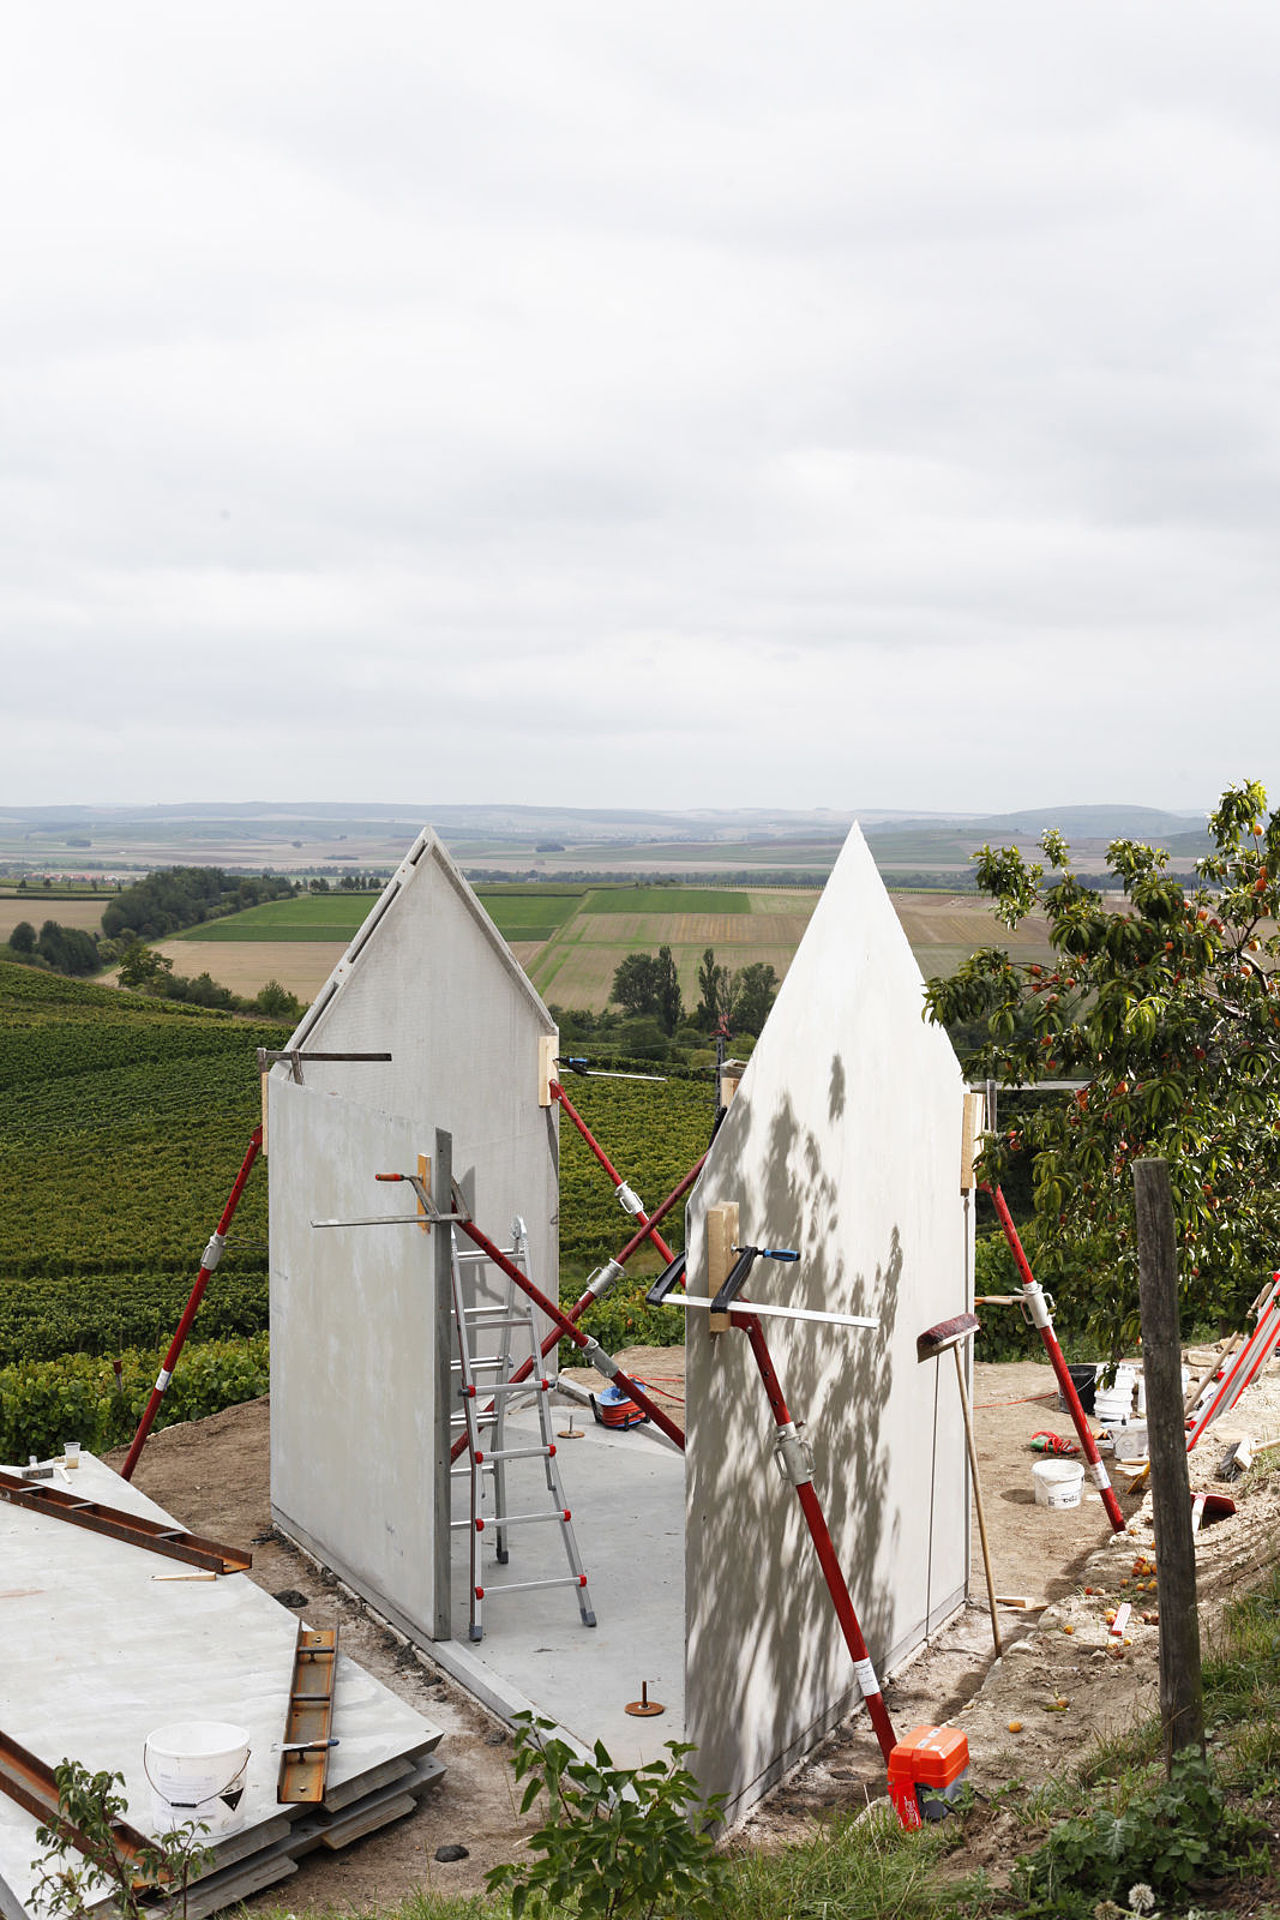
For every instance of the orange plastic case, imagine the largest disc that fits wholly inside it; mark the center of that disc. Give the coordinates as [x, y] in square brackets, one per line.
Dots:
[926, 1769]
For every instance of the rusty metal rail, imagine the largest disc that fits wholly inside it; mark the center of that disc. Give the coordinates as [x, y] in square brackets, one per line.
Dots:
[26, 1778]
[175, 1543]
[308, 1723]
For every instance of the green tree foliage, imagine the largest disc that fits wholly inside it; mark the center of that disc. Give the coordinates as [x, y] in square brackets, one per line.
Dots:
[755, 988]
[714, 985]
[142, 967]
[1167, 1006]
[67, 949]
[670, 1001]
[23, 937]
[636, 984]
[177, 897]
[646, 984]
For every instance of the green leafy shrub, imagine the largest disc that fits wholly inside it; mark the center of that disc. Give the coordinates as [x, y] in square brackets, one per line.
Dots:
[76, 1873]
[43, 1404]
[42, 1318]
[1171, 1834]
[618, 1843]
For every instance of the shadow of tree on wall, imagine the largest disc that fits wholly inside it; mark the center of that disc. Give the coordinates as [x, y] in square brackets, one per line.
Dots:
[766, 1658]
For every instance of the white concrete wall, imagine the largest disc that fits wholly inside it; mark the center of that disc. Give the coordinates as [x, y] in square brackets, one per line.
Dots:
[352, 1348]
[843, 1142]
[429, 979]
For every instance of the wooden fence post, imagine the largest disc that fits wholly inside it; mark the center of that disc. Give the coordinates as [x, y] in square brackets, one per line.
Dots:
[1181, 1691]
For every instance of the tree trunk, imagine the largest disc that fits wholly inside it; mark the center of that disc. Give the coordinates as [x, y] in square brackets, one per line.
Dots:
[1181, 1692]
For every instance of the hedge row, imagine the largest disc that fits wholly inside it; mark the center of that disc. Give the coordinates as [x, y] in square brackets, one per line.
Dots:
[45, 1403]
[40, 1319]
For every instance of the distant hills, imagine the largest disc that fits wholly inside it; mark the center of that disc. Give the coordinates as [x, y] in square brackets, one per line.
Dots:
[305, 836]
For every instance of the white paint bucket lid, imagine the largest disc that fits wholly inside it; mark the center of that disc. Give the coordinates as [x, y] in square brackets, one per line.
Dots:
[1058, 1483]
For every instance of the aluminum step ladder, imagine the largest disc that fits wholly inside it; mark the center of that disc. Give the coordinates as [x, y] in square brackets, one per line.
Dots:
[485, 1387]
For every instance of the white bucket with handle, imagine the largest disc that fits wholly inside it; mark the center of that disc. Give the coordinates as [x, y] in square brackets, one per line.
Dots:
[1057, 1483]
[197, 1773]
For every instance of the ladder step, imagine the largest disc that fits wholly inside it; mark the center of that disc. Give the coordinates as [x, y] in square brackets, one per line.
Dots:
[485, 1461]
[516, 1453]
[482, 1524]
[531, 1385]
[481, 1366]
[506, 1319]
[474, 1253]
[526, 1586]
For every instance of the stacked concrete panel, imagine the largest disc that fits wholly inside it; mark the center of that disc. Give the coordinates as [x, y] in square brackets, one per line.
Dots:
[844, 1143]
[103, 1646]
[431, 981]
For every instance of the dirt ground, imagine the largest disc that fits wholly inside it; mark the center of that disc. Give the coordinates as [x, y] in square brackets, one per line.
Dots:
[213, 1476]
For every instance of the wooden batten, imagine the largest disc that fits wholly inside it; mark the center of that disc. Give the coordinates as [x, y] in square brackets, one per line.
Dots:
[722, 1238]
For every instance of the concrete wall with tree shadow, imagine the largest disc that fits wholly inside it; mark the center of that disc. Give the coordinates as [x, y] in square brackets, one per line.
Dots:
[843, 1142]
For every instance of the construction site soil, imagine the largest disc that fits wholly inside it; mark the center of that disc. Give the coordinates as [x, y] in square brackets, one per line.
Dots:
[1061, 1684]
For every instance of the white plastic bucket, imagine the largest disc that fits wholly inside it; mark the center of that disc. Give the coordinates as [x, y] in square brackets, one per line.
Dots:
[1058, 1483]
[1113, 1405]
[197, 1772]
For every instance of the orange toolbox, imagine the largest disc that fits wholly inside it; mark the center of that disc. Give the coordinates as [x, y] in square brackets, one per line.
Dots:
[925, 1771]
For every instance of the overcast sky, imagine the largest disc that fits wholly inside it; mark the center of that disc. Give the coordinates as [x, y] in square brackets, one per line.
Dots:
[749, 404]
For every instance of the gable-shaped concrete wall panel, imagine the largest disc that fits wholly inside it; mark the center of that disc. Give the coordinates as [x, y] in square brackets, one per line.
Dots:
[844, 1143]
[431, 981]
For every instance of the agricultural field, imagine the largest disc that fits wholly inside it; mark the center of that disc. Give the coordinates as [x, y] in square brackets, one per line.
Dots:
[69, 910]
[307, 916]
[571, 939]
[245, 966]
[122, 1123]
[123, 1120]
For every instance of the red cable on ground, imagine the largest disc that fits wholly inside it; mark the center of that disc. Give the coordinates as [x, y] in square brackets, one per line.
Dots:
[1040, 1315]
[209, 1260]
[580, 1305]
[567, 1330]
[837, 1585]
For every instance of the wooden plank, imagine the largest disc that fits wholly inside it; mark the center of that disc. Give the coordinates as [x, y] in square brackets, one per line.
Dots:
[972, 1124]
[721, 1228]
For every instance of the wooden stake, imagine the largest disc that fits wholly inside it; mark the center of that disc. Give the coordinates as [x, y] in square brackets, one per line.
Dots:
[1181, 1688]
[424, 1174]
[721, 1229]
[975, 1107]
[977, 1498]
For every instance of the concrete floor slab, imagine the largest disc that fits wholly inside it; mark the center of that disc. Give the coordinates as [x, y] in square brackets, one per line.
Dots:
[98, 1653]
[626, 1494]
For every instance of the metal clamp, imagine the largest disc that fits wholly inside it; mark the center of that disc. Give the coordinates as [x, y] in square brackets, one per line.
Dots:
[794, 1456]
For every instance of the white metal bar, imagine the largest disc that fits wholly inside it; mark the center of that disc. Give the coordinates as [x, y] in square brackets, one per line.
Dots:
[740, 1305]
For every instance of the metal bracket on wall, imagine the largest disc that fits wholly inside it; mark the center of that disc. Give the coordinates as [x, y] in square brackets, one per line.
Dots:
[268, 1056]
[175, 1543]
[308, 1721]
[26, 1778]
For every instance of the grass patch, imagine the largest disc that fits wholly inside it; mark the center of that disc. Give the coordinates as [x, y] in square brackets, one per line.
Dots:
[665, 900]
[308, 916]
[337, 917]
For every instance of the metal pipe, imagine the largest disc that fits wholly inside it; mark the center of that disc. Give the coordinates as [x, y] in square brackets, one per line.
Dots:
[568, 1331]
[1043, 1321]
[558, 1093]
[209, 1260]
[837, 1586]
[584, 1300]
